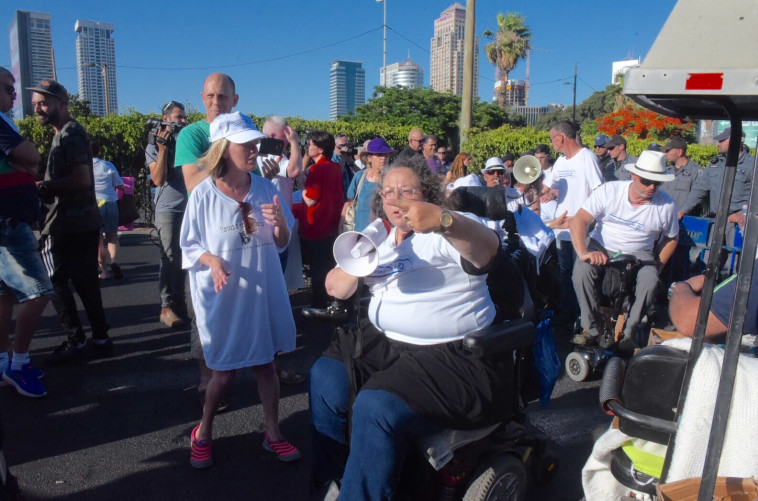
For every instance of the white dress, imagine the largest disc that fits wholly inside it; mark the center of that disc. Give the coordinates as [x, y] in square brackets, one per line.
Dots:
[249, 320]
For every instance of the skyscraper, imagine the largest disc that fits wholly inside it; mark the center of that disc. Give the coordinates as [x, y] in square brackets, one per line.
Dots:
[447, 52]
[405, 74]
[515, 92]
[31, 56]
[347, 87]
[96, 65]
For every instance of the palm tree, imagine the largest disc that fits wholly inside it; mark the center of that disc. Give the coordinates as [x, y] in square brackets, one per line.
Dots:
[509, 44]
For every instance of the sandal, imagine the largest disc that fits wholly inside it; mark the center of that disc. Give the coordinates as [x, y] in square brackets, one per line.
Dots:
[290, 376]
[284, 450]
[201, 455]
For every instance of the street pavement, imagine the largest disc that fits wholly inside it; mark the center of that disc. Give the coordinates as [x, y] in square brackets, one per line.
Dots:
[118, 428]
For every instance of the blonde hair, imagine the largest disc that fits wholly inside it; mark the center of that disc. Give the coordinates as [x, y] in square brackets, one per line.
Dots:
[213, 160]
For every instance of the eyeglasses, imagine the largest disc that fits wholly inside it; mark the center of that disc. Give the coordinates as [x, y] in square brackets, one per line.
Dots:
[432, 145]
[249, 225]
[342, 146]
[440, 152]
[554, 136]
[403, 192]
[648, 182]
[11, 90]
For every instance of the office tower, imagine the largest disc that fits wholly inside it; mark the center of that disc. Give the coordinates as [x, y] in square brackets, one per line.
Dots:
[347, 87]
[405, 74]
[96, 65]
[515, 92]
[31, 56]
[447, 52]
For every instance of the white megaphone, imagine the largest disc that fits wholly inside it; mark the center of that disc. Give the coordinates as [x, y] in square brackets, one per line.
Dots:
[527, 169]
[356, 252]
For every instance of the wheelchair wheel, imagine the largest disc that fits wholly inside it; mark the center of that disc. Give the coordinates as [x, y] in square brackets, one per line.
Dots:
[577, 367]
[503, 477]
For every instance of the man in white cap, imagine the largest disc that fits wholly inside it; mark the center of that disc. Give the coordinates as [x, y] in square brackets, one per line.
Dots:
[493, 173]
[630, 216]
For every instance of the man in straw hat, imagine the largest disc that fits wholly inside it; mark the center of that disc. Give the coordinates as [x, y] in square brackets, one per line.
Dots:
[630, 216]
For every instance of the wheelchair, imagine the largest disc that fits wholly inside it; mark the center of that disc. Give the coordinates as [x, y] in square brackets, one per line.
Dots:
[615, 302]
[498, 461]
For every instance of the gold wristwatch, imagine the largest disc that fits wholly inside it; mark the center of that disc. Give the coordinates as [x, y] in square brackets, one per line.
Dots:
[446, 221]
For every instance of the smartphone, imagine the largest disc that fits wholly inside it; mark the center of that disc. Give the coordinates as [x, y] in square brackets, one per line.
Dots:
[270, 146]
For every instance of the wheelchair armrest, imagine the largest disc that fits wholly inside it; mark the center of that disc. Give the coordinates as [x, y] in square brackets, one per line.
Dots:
[500, 338]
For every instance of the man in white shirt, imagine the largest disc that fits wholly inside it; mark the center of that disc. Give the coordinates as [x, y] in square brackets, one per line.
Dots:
[632, 217]
[575, 174]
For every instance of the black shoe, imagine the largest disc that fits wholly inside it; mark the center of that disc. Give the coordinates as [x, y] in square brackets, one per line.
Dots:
[71, 353]
[333, 314]
[116, 271]
[103, 350]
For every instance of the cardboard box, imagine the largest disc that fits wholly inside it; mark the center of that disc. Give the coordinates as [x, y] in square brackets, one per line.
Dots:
[658, 336]
[727, 489]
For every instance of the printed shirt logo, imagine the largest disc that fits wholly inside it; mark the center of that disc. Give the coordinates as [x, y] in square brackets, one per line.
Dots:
[612, 218]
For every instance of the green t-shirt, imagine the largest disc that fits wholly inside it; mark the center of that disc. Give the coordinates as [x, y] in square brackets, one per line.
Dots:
[192, 143]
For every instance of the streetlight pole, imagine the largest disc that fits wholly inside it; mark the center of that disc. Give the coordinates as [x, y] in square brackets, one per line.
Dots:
[384, 58]
[104, 68]
[573, 106]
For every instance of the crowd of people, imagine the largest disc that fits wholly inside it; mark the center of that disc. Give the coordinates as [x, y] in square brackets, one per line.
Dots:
[243, 226]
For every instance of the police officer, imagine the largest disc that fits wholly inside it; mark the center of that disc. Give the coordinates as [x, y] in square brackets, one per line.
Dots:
[684, 263]
[709, 183]
[601, 152]
[614, 169]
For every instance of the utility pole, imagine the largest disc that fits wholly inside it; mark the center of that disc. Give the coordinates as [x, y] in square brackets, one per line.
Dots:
[573, 106]
[468, 70]
[384, 58]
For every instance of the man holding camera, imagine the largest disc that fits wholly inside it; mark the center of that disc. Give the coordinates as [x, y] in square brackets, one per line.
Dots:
[343, 155]
[170, 202]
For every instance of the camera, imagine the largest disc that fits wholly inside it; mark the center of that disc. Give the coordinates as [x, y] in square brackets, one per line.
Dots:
[157, 125]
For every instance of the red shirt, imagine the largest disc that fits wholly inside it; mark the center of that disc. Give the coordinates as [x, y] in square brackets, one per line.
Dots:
[324, 185]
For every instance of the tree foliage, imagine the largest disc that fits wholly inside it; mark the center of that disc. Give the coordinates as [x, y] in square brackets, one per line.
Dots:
[510, 43]
[431, 111]
[596, 105]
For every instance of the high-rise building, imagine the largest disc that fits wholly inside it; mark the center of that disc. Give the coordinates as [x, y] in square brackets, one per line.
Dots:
[31, 56]
[447, 52]
[347, 87]
[532, 113]
[96, 65]
[405, 74]
[515, 92]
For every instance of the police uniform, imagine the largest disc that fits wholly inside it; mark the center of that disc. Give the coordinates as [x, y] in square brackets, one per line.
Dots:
[615, 171]
[685, 261]
[679, 189]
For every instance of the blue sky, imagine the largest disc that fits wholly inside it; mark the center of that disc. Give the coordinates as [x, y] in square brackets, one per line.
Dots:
[164, 50]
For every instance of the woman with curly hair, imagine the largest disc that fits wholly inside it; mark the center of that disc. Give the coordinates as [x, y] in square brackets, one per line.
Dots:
[411, 375]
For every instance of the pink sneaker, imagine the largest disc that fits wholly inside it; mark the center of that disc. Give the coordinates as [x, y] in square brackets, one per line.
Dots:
[284, 450]
[201, 455]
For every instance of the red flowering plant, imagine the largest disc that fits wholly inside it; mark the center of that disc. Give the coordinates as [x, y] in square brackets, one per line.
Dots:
[645, 124]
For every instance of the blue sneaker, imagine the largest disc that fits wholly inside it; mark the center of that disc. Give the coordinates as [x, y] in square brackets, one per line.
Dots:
[25, 381]
[26, 367]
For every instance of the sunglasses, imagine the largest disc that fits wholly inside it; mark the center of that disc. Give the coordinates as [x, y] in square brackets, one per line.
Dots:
[648, 182]
[249, 224]
[11, 90]
[170, 106]
[494, 172]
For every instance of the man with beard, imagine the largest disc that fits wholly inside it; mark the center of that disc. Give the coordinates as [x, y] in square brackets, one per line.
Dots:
[632, 217]
[70, 233]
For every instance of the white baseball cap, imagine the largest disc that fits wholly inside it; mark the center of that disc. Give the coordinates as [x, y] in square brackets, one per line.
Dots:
[236, 127]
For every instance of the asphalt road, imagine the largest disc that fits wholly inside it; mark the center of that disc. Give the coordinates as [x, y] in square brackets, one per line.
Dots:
[118, 428]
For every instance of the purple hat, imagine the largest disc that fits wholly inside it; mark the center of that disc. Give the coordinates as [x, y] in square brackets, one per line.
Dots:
[378, 146]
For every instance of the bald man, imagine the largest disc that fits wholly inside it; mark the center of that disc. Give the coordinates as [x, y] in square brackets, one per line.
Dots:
[194, 140]
[415, 145]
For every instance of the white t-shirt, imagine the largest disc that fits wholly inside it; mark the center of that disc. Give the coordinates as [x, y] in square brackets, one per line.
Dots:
[421, 295]
[106, 179]
[547, 176]
[282, 182]
[249, 320]
[574, 178]
[623, 227]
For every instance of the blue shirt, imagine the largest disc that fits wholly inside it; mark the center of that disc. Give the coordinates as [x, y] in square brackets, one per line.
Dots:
[723, 298]
[363, 209]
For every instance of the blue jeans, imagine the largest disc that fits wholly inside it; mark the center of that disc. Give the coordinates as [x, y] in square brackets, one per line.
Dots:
[171, 276]
[566, 258]
[383, 427]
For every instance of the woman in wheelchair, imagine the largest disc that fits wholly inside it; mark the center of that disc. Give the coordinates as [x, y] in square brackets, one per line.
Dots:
[402, 373]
